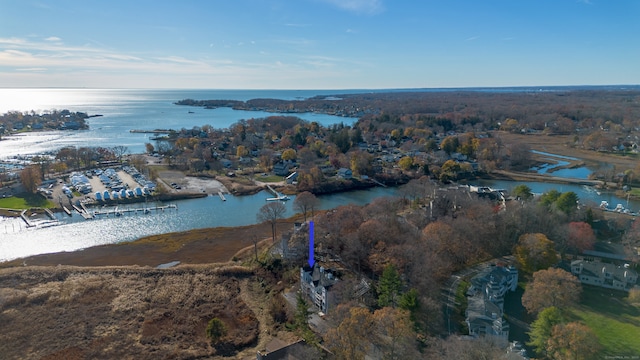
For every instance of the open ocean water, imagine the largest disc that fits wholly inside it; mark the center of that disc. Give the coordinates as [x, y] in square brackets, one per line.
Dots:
[123, 110]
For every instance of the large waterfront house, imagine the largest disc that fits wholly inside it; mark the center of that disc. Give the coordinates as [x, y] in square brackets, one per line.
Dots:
[484, 314]
[604, 275]
[315, 283]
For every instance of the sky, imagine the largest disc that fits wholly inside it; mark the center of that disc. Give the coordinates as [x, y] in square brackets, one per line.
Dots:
[318, 44]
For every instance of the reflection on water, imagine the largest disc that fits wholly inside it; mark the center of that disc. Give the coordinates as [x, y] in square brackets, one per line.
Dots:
[16, 240]
[124, 110]
[555, 166]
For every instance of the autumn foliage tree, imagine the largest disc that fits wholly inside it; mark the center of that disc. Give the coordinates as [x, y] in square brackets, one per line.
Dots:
[541, 328]
[552, 287]
[573, 340]
[30, 178]
[535, 252]
[580, 236]
[350, 339]
[394, 335]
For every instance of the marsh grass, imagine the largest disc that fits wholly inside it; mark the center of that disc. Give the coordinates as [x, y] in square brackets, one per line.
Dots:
[141, 313]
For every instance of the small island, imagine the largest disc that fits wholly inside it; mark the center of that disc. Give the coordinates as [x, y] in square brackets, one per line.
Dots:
[16, 121]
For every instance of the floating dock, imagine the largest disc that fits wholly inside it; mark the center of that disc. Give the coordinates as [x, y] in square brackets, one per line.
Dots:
[120, 211]
[24, 217]
[221, 195]
[49, 214]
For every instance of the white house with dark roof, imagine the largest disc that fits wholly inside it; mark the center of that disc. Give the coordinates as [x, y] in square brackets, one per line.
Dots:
[485, 301]
[604, 275]
[315, 283]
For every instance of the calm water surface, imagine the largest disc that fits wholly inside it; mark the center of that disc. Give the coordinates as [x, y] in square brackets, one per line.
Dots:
[124, 110]
[73, 233]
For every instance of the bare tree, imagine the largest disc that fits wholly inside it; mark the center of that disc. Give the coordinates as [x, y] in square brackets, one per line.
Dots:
[119, 151]
[305, 202]
[270, 213]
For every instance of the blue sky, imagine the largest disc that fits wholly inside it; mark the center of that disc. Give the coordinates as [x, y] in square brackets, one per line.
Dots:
[318, 44]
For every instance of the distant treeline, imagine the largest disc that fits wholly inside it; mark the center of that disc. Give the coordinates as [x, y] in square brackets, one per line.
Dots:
[561, 111]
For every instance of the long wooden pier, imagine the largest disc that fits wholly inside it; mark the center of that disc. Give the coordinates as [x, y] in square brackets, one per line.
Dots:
[273, 191]
[117, 211]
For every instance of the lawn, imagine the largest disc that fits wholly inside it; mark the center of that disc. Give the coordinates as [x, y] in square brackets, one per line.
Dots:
[270, 178]
[612, 318]
[25, 201]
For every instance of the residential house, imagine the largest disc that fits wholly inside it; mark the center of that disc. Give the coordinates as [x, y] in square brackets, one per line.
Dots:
[315, 283]
[281, 168]
[345, 173]
[604, 275]
[226, 163]
[484, 314]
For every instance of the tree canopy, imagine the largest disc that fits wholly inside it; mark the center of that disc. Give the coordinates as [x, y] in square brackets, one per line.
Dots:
[541, 328]
[535, 252]
[552, 287]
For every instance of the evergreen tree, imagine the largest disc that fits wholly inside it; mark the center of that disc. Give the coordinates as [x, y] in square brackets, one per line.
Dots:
[389, 287]
[301, 317]
[216, 330]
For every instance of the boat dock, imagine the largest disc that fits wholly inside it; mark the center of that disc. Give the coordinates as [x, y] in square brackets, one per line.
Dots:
[49, 214]
[221, 195]
[24, 217]
[377, 182]
[279, 197]
[117, 211]
[82, 211]
[66, 210]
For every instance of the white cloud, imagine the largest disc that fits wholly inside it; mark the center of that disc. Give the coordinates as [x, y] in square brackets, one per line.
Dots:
[53, 38]
[32, 69]
[359, 6]
[12, 41]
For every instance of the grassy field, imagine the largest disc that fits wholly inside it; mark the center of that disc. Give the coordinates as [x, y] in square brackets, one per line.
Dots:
[25, 201]
[612, 318]
[269, 179]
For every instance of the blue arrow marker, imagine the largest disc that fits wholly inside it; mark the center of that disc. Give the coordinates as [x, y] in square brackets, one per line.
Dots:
[311, 257]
